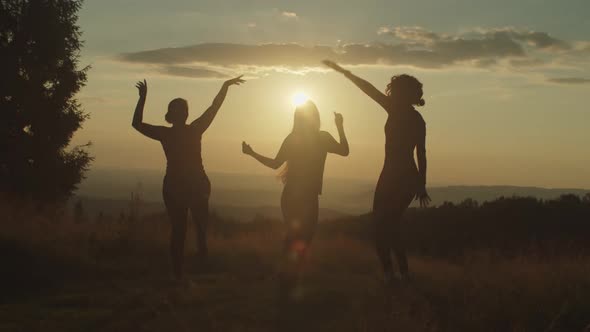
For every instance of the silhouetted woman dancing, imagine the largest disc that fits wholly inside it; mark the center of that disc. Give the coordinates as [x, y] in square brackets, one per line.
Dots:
[304, 150]
[400, 180]
[186, 185]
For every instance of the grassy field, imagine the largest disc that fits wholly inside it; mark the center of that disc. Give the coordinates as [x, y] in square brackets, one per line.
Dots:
[112, 276]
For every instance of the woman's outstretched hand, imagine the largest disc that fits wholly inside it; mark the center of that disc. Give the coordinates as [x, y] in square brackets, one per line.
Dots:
[339, 120]
[142, 87]
[334, 66]
[423, 197]
[235, 81]
[246, 148]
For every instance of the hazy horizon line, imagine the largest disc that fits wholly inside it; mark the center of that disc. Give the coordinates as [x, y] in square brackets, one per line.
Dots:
[368, 180]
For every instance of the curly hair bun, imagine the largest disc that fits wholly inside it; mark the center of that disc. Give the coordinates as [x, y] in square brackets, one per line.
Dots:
[406, 88]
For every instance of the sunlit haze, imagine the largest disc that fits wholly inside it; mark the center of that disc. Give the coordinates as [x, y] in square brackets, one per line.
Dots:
[505, 86]
[299, 99]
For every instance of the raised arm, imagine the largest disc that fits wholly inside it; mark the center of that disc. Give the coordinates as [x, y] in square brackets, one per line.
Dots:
[266, 161]
[365, 86]
[340, 148]
[422, 194]
[151, 131]
[205, 120]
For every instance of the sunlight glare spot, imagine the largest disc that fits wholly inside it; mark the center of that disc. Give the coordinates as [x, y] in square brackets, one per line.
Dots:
[299, 99]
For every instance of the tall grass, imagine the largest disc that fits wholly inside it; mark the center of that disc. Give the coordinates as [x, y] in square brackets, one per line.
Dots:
[59, 259]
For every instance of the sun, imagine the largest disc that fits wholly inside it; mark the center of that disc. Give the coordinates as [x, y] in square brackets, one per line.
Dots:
[299, 99]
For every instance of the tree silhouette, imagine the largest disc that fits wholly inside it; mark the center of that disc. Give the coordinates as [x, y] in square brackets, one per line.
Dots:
[39, 78]
[506, 226]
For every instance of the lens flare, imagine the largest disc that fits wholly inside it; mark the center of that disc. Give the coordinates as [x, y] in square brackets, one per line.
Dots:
[299, 99]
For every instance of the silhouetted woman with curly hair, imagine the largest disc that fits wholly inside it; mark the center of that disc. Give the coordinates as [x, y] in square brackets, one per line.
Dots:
[401, 180]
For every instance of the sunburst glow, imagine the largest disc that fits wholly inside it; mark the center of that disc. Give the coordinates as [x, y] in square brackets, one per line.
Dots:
[299, 99]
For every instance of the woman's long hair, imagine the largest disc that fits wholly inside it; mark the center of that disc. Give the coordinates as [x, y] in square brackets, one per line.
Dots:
[306, 129]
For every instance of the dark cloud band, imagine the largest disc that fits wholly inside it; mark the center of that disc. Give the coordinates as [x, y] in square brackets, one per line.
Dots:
[569, 80]
[191, 72]
[411, 46]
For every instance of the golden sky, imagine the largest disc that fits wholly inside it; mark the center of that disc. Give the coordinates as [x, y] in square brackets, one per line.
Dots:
[505, 89]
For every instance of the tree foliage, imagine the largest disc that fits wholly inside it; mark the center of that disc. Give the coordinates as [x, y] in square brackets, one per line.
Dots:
[506, 226]
[39, 78]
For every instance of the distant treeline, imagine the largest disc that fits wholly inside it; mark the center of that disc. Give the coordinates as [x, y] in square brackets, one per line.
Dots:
[505, 226]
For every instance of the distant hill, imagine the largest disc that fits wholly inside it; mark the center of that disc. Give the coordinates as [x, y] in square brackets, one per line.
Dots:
[242, 196]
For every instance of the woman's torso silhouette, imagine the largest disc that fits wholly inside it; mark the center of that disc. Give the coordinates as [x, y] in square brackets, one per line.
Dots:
[182, 147]
[185, 175]
[403, 131]
[306, 158]
[399, 179]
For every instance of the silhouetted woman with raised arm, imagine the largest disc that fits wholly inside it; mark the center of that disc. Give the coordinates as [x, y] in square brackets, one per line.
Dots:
[304, 151]
[400, 180]
[186, 185]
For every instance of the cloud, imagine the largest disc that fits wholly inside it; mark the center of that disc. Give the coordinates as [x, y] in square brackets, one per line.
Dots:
[410, 46]
[291, 15]
[569, 80]
[191, 72]
[581, 48]
[516, 38]
[526, 62]
[444, 53]
[540, 40]
[416, 34]
[224, 54]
